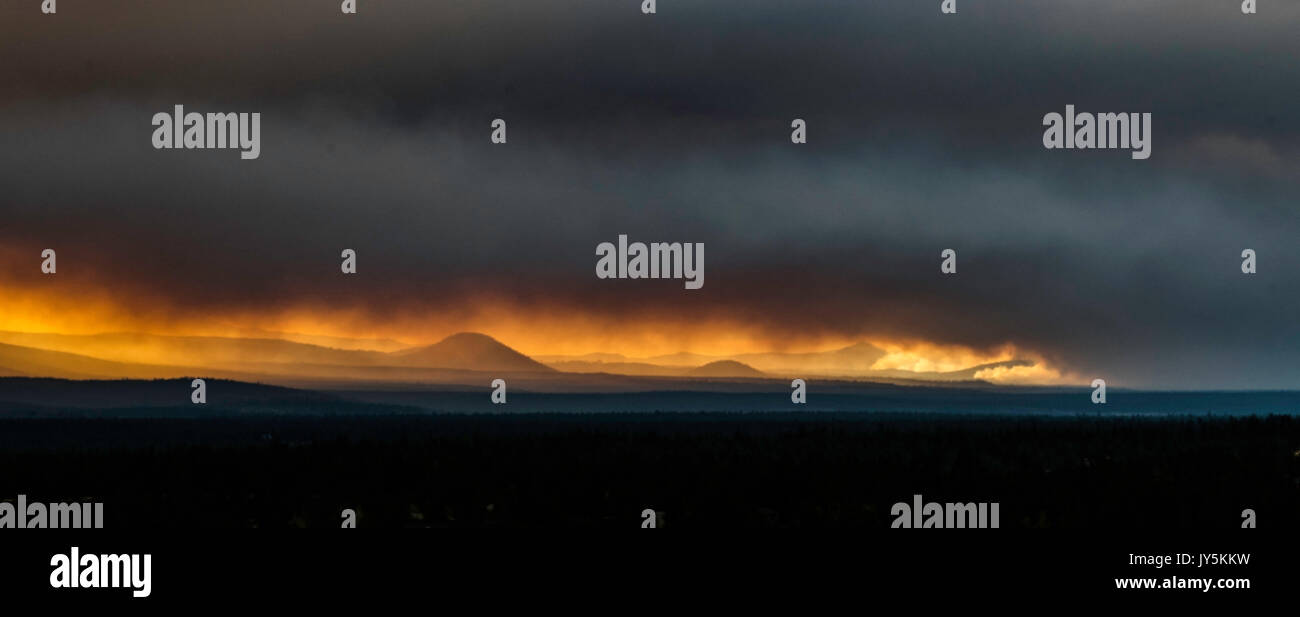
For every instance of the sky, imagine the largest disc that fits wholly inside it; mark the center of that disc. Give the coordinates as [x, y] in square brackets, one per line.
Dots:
[924, 133]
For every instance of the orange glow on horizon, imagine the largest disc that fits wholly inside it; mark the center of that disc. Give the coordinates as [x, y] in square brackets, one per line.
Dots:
[534, 331]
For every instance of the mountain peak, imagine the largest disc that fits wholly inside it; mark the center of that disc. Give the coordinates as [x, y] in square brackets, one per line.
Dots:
[470, 338]
[725, 368]
[472, 351]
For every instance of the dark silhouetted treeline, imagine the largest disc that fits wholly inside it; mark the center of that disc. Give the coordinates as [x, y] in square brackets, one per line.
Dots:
[700, 470]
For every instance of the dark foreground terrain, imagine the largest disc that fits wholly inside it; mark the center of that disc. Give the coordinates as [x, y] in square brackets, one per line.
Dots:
[717, 470]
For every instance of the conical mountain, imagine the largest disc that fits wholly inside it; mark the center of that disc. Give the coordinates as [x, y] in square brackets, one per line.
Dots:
[470, 351]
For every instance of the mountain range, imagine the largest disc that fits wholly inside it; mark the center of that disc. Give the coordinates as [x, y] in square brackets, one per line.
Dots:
[465, 358]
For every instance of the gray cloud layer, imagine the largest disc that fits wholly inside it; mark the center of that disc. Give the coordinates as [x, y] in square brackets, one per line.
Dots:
[924, 134]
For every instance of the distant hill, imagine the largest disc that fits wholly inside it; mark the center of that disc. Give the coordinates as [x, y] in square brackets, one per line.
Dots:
[471, 351]
[212, 351]
[336, 342]
[587, 358]
[717, 368]
[725, 368]
[854, 360]
[17, 360]
[119, 355]
[618, 368]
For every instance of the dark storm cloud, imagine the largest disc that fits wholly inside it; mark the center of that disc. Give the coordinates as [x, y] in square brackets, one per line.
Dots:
[925, 133]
